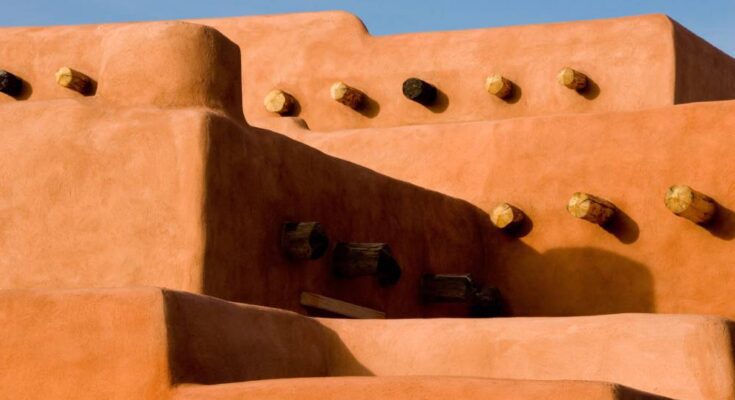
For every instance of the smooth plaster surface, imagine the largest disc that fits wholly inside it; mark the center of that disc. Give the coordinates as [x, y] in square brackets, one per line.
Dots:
[140, 342]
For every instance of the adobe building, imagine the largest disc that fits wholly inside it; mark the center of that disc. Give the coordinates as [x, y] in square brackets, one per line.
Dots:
[286, 207]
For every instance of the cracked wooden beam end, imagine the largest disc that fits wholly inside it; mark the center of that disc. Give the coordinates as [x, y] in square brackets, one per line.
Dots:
[572, 79]
[74, 80]
[279, 102]
[499, 86]
[591, 208]
[688, 203]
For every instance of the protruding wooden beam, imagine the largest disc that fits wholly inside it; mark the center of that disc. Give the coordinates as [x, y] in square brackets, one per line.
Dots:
[359, 259]
[347, 95]
[459, 288]
[339, 307]
[279, 102]
[74, 80]
[499, 86]
[304, 240]
[686, 202]
[591, 208]
[572, 79]
[506, 216]
[446, 288]
[10, 84]
[419, 91]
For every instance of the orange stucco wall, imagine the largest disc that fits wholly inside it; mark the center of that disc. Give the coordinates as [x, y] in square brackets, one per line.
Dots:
[141, 342]
[136, 186]
[306, 53]
[652, 261]
[171, 174]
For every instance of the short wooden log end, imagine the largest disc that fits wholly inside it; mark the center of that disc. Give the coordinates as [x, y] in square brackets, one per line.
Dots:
[506, 216]
[347, 95]
[572, 79]
[74, 80]
[304, 240]
[446, 288]
[688, 203]
[279, 102]
[591, 208]
[499, 86]
[10, 84]
[351, 260]
[419, 91]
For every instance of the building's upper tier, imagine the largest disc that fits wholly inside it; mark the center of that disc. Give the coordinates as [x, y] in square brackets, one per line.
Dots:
[632, 63]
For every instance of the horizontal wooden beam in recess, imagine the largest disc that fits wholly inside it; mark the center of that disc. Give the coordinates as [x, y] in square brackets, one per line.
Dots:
[688, 203]
[279, 102]
[351, 260]
[347, 95]
[304, 240]
[572, 79]
[499, 86]
[484, 301]
[74, 80]
[419, 91]
[339, 307]
[506, 216]
[591, 208]
[10, 84]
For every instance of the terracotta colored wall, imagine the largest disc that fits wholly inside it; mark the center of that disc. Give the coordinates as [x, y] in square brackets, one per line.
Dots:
[409, 388]
[136, 343]
[652, 261]
[661, 354]
[167, 64]
[632, 61]
[191, 200]
[83, 344]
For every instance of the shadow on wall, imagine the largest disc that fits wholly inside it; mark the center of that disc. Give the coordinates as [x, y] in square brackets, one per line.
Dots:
[256, 180]
[211, 341]
[567, 281]
[723, 224]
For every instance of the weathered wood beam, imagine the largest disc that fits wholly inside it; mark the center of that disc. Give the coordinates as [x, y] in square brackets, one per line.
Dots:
[688, 203]
[591, 208]
[279, 102]
[419, 91]
[499, 86]
[352, 260]
[74, 80]
[10, 84]
[572, 79]
[339, 307]
[304, 240]
[347, 95]
[507, 217]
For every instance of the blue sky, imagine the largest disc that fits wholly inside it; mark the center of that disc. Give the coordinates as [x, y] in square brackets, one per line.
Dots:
[712, 19]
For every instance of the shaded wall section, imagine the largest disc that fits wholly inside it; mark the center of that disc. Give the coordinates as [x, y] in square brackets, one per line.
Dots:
[649, 260]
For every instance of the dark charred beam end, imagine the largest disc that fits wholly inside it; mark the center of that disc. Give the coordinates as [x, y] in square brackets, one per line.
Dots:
[419, 91]
[10, 84]
[304, 240]
[353, 260]
[483, 301]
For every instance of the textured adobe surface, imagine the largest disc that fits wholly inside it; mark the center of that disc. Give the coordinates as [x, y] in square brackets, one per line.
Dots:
[400, 388]
[191, 200]
[650, 261]
[138, 342]
[156, 178]
[306, 53]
